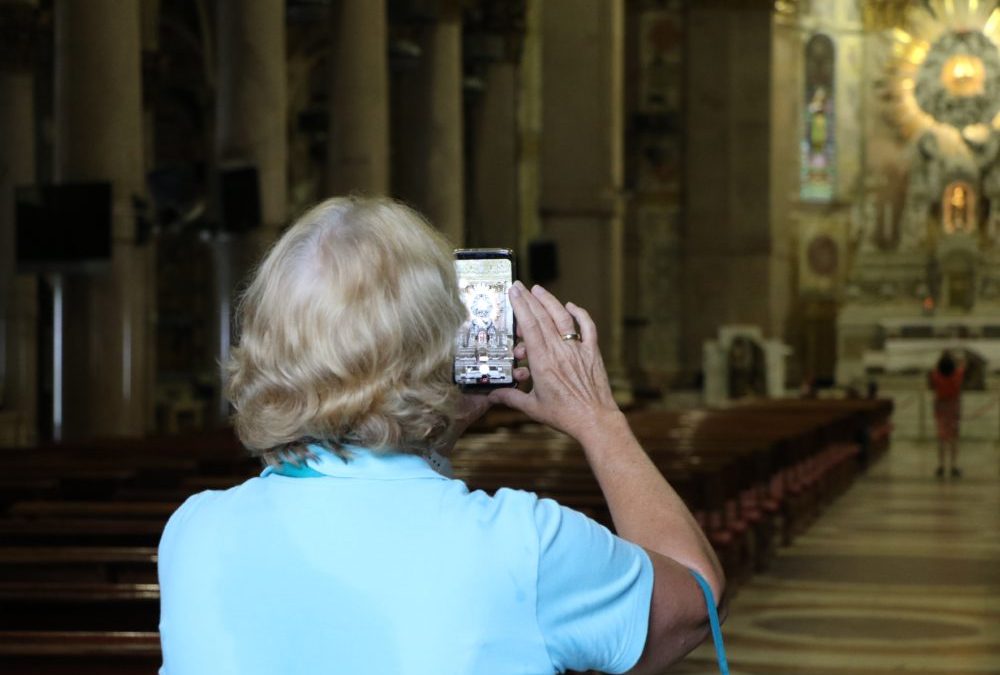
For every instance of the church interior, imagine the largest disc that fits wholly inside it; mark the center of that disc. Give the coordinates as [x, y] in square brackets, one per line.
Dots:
[780, 213]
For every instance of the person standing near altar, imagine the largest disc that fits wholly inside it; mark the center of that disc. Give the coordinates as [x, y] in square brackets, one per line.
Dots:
[946, 381]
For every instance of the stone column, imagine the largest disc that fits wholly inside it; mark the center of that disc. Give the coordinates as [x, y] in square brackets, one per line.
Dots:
[529, 124]
[735, 268]
[358, 149]
[493, 193]
[98, 137]
[18, 294]
[250, 129]
[150, 40]
[251, 121]
[582, 204]
[428, 131]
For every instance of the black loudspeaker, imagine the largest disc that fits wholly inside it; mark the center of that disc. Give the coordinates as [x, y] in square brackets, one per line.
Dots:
[543, 261]
[63, 228]
[239, 198]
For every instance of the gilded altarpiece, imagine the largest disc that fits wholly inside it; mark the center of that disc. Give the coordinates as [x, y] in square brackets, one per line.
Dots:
[923, 263]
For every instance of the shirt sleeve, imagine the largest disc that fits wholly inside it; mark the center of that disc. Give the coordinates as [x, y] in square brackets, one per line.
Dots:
[594, 592]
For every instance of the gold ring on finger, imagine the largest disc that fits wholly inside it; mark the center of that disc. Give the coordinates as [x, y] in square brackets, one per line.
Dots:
[571, 336]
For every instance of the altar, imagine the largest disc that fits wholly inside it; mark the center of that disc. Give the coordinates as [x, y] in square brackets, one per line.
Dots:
[924, 269]
[914, 345]
[909, 350]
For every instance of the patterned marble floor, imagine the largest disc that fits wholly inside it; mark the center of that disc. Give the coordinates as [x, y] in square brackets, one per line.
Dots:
[900, 575]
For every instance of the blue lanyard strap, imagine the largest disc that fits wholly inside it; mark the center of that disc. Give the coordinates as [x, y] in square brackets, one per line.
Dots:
[301, 471]
[713, 620]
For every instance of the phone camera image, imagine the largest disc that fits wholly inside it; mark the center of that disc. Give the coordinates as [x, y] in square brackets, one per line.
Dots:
[484, 346]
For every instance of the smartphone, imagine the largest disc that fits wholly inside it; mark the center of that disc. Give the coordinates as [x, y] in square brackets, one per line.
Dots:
[484, 346]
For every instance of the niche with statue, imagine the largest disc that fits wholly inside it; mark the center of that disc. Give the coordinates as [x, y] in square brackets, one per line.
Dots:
[741, 364]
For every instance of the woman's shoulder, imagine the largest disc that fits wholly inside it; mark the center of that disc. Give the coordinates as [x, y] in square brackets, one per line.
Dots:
[506, 512]
[530, 512]
[504, 500]
[191, 509]
[203, 506]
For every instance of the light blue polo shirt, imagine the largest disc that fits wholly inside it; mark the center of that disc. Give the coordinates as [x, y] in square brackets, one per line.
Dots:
[381, 565]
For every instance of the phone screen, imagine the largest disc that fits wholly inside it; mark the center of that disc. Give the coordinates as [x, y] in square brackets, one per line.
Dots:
[484, 346]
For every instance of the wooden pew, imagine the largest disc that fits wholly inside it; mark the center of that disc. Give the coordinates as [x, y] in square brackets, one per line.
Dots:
[24, 652]
[16, 488]
[554, 466]
[84, 535]
[773, 445]
[807, 467]
[71, 605]
[79, 532]
[108, 510]
[109, 564]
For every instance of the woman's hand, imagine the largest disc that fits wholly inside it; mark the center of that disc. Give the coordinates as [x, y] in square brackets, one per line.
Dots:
[472, 406]
[571, 390]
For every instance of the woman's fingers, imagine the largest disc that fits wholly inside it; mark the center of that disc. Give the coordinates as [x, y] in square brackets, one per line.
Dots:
[520, 351]
[568, 379]
[472, 406]
[562, 319]
[527, 323]
[588, 331]
[547, 330]
[516, 399]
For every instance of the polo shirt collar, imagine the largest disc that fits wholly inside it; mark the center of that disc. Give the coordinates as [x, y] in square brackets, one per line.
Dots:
[363, 463]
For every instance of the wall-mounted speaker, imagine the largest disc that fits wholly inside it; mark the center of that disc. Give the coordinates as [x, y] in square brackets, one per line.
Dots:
[63, 228]
[543, 261]
[239, 198]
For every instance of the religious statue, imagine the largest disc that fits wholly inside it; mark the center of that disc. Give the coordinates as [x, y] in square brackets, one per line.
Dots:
[958, 208]
[818, 133]
[864, 221]
[746, 369]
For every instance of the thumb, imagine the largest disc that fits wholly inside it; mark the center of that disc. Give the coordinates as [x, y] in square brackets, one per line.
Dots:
[512, 398]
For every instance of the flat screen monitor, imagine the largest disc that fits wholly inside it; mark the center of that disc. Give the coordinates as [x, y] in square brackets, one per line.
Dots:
[63, 228]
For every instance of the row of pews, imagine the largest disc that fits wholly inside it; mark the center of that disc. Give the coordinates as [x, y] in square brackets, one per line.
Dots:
[79, 524]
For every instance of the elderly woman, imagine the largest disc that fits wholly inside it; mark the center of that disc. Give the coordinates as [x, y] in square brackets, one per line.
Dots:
[350, 553]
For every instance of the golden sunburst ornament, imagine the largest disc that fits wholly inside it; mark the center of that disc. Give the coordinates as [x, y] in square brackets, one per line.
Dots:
[945, 67]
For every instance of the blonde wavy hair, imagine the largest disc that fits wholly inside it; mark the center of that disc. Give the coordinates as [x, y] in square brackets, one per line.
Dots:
[346, 335]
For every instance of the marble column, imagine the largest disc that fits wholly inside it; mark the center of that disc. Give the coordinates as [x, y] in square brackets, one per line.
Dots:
[150, 40]
[250, 130]
[529, 125]
[428, 132]
[251, 96]
[582, 203]
[18, 294]
[493, 189]
[735, 260]
[98, 137]
[358, 150]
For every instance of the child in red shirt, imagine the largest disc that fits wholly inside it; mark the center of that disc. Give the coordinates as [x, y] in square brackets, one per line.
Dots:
[946, 380]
